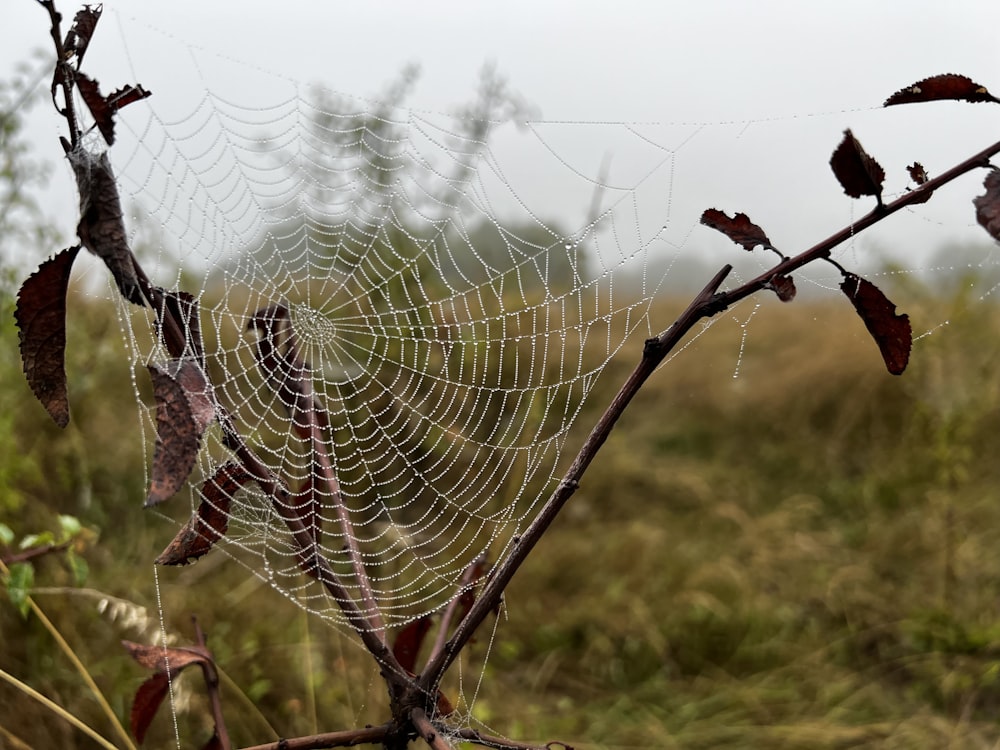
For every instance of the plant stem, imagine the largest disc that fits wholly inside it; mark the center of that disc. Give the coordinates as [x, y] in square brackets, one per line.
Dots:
[57, 710]
[80, 668]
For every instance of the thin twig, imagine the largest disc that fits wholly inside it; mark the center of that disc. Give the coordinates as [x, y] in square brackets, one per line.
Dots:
[211, 676]
[468, 579]
[33, 552]
[349, 738]
[501, 743]
[707, 304]
[64, 74]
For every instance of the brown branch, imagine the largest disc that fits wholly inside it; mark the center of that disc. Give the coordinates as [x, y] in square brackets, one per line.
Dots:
[468, 580]
[707, 304]
[211, 675]
[32, 552]
[63, 74]
[428, 731]
[501, 743]
[348, 738]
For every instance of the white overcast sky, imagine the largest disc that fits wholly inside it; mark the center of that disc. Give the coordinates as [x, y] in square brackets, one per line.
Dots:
[801, 72]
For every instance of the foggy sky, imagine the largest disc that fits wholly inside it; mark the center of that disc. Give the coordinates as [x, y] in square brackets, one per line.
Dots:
[789, 76]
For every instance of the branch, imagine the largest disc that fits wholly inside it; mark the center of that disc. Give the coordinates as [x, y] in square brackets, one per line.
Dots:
[428, 731]
[63, 75]
[349, 738]
[488, 740]
[32, 552]
[706, 304]
[211, 675]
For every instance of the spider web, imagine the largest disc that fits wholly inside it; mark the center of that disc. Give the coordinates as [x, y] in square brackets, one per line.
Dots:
[451, 324]
[450, 349]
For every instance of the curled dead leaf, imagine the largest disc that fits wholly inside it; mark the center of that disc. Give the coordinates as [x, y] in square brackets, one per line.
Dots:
[783, 286]
[858, 173]
[988, 205]
[209, 523]
[102, 227]
[103, 108]
[892, 332]
[170, 659]
[739, 229]
[79, 35]
[185, 406]
[40, 315]
[919, 175]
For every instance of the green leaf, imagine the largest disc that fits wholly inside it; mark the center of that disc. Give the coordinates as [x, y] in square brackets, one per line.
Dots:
[37, 540]
[22, 578]
[6, 534]
[78, 566]
[70, 526]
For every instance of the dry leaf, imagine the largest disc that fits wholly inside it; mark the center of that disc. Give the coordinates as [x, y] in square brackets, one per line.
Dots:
[184, 408]
[41, 320]
[102, 228]
[783, 286]
[858, 173]
[406, 646]
[891, 332]
[988, 205]
[80, 33]
[739, 229]
[210, 521]
[947, 86]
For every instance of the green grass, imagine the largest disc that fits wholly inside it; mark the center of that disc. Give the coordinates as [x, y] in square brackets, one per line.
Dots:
[804, 556]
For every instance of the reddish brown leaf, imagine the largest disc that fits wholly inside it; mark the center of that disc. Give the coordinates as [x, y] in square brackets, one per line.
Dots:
[858, 173]
[127, 95]
[41, 322]
[161, 659]
[891, 332]
[739, 229]
[783, 286]
[180, 306]
[148, 698]
[947, 86]
[101, 228]
[444, 706]
[184, 409]
[408, 641]
[988, 205]
[166, 662]
[917, 173]
[103, 108]
[78, 37]
[919, 176]
[103, 113]
[210, 521]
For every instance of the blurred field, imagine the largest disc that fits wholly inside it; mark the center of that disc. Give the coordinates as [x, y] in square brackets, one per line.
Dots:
[806, 555]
